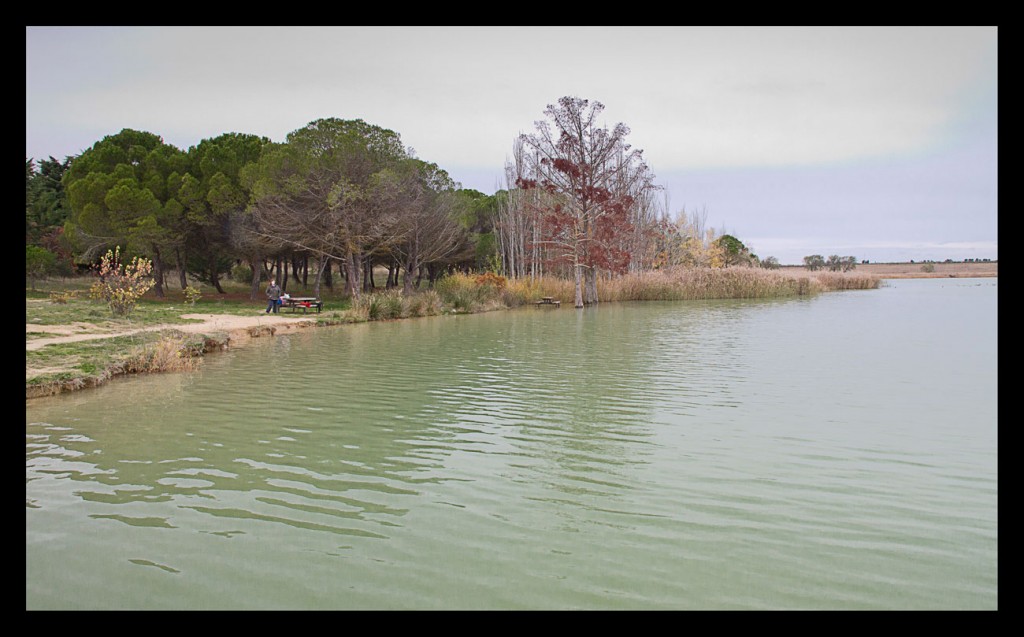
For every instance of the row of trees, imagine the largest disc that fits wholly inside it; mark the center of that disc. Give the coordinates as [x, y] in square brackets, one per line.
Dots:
[336, 192]
[45, 214]
[834, 263]
[348, 196]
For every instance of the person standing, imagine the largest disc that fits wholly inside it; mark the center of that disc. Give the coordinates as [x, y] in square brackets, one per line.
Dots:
[273, 296]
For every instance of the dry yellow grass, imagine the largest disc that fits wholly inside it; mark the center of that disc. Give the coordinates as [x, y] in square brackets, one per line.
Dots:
[914, 270]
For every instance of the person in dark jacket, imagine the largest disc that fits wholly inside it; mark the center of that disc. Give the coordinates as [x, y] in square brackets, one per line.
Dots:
[273, 296]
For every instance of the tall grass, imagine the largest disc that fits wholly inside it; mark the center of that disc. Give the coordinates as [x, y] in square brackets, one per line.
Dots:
[393, 304]
[469, 293]
[689, 284]
[686, 284]
[169, 354]
[848, 281]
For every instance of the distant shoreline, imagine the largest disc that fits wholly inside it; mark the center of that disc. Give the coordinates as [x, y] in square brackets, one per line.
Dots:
[915, 271]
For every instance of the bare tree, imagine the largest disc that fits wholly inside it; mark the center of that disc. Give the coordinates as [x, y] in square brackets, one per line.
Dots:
[593, 176]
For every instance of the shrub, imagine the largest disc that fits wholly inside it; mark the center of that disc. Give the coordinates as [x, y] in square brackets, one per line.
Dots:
[62, 297]
[39, 262]
[491, 279]
[377, 306]
[425, 303]
[192, 295]
[460, 291]
[241, 273]
[170, 354]
[928, 267]
[121, 286]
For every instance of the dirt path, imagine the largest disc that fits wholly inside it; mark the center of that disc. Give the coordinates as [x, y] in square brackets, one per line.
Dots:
[231, 324]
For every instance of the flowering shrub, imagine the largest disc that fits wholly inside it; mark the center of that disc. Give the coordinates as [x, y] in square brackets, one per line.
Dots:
[121, 286]
[192, 295]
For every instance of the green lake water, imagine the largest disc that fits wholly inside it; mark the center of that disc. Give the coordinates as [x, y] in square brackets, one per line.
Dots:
[834, 452]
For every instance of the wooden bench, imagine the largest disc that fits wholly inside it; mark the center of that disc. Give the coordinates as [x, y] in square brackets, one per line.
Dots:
[547, 300]
[302, 302]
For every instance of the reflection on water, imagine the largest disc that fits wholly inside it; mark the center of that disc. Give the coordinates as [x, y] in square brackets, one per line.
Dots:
[834, 452]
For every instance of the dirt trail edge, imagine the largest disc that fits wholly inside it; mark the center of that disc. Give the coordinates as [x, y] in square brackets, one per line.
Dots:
[209, 323]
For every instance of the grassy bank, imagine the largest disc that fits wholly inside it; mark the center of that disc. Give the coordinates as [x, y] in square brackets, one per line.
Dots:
[124, 349]
[69, 366]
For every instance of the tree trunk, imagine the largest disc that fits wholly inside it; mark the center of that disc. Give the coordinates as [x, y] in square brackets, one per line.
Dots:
[328, 277]
[319, 274]
[590, 291]
[368, 285]
[182, 272]
[352, 275]
[254, 290]
[158, 273]
[577, 288]
[412, 265]
[215, 275]
[392, 275]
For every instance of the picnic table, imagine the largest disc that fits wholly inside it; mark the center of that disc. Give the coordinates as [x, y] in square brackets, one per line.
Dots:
[304, 303]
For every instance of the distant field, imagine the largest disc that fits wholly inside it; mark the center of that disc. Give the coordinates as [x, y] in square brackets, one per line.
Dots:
[914, 271]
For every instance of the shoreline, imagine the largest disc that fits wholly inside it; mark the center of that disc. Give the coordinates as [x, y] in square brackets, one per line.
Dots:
[214, 332]
[974, 269]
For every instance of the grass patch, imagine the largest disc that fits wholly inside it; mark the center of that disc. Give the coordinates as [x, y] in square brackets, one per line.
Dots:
[94, 361]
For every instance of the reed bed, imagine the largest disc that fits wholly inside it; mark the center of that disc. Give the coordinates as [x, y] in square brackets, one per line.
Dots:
[393, 304]
[848, 281]
[691, 284]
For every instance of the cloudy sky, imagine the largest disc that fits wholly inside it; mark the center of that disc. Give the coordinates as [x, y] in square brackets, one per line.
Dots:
[878, 143]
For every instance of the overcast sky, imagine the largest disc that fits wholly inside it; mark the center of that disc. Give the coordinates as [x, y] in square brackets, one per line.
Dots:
[878, 143]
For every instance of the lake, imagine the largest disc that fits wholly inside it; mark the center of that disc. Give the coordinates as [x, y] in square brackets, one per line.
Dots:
[832, 452]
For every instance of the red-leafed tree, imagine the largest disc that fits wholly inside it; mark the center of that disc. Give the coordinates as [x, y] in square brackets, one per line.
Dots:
[594, 179]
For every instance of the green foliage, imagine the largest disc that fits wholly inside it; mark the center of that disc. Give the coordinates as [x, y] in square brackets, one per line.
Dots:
[845, 264]
[487, 252]
[733, 251]
[770, 263]
[39, 262]
[207, 267]
[192, 295]
[121, 286]
[120, 190]
[928, 267]
[814, 262]
[241, 273]
[45, 205]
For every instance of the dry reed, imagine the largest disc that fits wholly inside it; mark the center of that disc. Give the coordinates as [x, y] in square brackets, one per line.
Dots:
[169, 354]
[689, 284]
